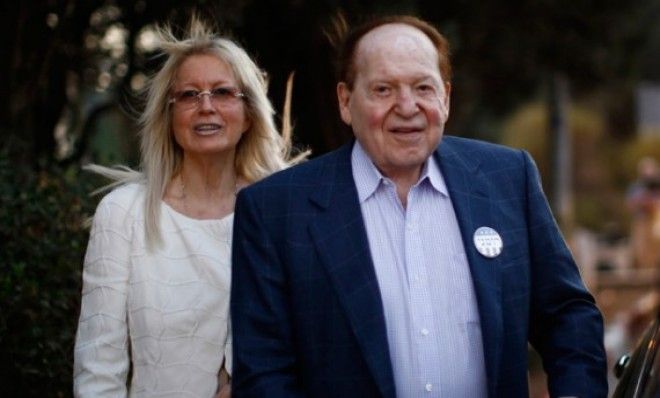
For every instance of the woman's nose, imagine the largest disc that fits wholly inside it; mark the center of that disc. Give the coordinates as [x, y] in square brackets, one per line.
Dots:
[206, 103]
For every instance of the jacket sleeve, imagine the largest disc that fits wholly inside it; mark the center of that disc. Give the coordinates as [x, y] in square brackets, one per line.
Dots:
[566, 327]
[101, 357]
[264, 363]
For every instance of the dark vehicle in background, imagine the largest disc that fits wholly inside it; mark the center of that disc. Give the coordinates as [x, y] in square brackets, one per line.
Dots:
[639, 373]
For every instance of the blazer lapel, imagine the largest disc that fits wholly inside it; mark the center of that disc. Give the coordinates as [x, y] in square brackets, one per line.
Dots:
[341, 239]
[469, 191]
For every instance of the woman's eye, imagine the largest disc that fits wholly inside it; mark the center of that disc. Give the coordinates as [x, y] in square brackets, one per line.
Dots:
[222, 92]
[188, 94]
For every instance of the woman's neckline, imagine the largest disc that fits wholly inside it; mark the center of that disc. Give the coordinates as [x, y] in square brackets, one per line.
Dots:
[197, 220]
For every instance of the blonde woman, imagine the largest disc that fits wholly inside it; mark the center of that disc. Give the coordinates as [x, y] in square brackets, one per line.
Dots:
[156, 275]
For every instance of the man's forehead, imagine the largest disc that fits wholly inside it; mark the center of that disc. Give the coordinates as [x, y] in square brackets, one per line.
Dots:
[395, 36]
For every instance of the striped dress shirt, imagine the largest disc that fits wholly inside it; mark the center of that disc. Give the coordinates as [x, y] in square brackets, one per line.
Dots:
[430, 307]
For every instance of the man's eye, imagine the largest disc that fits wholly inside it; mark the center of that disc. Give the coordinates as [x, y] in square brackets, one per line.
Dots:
[188, 94]
[425, 89]
[382, 90]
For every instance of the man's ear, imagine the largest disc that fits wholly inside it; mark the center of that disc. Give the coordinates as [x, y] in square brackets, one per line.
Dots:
[344, 98]
[447, 101]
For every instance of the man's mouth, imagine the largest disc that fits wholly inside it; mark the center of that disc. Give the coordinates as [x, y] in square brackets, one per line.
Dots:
[407, 129]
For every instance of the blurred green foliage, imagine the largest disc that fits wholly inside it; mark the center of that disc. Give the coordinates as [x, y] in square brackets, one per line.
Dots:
[602, 165]
[642, 146]
[42, 215]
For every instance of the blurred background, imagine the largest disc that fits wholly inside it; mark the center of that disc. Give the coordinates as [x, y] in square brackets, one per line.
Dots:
[576, 83]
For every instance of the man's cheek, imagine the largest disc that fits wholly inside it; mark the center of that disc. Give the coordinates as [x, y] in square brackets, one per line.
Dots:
[436, 116]
[375, 120]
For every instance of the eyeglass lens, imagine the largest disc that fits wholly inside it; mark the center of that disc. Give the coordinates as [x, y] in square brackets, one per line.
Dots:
[219, 96]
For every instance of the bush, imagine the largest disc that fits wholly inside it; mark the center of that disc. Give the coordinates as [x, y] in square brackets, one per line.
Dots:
[42, 214]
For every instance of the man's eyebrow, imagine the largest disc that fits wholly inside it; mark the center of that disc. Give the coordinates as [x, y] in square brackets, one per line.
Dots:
[414, 79]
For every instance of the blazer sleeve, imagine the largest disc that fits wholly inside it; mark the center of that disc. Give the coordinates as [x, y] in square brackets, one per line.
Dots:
[264, 363]
[566, 327]
[101, 357]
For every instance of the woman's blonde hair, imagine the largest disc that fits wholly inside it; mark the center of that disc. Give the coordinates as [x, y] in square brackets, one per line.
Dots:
[260, 152]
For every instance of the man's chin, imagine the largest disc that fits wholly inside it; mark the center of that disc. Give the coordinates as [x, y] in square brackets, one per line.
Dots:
[404, 164]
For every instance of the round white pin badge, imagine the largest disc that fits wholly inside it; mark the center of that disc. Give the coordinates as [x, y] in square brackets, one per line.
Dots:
[488, 242]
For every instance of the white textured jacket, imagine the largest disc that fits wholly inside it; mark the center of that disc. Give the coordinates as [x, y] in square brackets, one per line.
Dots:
[165, 312]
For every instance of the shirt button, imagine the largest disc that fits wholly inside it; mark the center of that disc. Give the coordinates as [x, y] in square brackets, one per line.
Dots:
[428, 387]
[425, 332]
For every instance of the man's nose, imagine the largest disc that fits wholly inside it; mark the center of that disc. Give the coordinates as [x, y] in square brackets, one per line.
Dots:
[406, 102]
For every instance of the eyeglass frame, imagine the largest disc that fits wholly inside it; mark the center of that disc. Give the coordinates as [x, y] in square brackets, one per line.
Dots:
[234, 93]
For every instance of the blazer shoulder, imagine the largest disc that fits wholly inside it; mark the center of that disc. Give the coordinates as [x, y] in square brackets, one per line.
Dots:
[311, 173]
[487, 154]
[470, 145]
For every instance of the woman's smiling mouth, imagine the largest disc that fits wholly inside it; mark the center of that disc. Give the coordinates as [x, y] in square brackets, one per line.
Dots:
[207, 128]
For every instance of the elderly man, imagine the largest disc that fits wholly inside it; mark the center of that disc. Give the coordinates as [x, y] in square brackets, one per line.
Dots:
[404, 263]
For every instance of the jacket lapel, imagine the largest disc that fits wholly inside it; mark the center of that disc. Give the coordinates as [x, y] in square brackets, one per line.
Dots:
[341, 239]
[469, 191]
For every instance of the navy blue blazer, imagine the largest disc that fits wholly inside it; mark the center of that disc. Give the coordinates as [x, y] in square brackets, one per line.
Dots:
[307, 314]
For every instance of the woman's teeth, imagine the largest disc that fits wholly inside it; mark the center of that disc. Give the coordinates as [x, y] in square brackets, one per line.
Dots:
[207, 129]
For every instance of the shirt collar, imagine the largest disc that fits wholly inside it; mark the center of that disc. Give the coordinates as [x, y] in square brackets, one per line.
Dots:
[432, 170]
[366, 175]
[368, 178]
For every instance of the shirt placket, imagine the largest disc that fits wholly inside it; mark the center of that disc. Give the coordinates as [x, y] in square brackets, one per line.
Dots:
[420, 297]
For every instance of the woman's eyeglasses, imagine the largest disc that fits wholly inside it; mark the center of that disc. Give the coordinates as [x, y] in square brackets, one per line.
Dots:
[219, 97]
